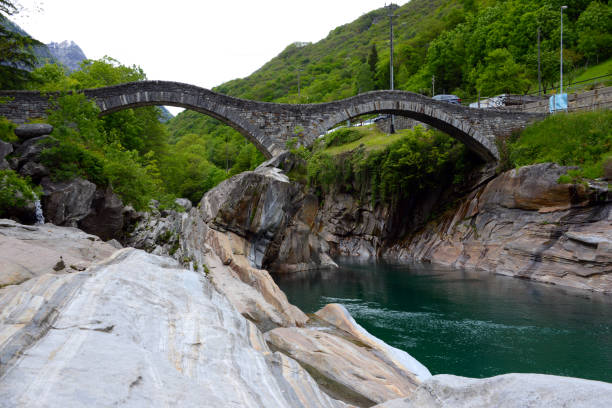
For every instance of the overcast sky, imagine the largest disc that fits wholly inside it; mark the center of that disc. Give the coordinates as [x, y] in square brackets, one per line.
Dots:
[200, 42]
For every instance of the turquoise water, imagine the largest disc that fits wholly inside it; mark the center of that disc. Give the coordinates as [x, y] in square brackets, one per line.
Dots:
[472, 324]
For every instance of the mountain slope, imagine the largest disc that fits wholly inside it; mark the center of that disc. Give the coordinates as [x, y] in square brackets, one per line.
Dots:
[67, 53]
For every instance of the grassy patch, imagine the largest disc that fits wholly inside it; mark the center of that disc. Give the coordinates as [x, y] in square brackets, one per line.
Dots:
[370, 137]
[605, 68]
[581, 139]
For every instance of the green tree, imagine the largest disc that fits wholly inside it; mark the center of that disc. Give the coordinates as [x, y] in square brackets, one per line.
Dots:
[594, 28]
[16, 51]
[373, 62]
[363, 80]
[501, 74]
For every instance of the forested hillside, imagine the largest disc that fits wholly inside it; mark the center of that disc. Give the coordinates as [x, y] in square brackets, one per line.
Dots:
[468, 46]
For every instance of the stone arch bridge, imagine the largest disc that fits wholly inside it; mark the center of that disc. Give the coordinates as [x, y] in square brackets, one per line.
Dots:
[270, 125]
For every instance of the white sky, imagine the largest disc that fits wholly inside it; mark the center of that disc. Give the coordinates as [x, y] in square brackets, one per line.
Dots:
[204, 43]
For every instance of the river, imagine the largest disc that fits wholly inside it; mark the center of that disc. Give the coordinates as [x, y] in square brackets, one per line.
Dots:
[472, 324]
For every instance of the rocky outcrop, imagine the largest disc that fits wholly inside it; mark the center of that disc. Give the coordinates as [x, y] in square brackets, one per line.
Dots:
[154, 333]
[507, 391]
[246, 223]
[337, 315]
[66, 203]
[348, 362]
[524, 224]
[28, 251]
[224, 258]
[74, 203]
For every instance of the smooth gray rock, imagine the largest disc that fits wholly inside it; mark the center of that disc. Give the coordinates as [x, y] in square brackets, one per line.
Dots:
[31, 130]
[28, 251]
[507, 391]
[30, 149]
[105, 219]
[67, 202]
[138, 330]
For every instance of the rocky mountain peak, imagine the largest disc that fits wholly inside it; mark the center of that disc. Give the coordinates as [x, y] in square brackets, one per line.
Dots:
[68, 53]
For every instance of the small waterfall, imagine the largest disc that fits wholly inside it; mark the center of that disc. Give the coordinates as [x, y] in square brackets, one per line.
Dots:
[40, 218]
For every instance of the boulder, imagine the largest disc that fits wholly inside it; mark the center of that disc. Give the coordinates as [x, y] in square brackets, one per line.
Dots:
[507, 391]
[273, 215]
[35, 171]
[286, 161]
[105, 219]
[32, 130]
[67, 202]
[224, 258]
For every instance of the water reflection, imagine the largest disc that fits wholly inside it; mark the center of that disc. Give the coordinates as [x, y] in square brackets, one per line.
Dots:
[467, 322]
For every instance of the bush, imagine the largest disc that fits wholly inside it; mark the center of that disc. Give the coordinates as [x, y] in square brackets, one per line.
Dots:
[342, 136]
[69, 160]
[15, 191]
[6, 130]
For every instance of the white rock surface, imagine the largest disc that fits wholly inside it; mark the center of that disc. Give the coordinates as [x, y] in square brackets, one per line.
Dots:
[138, 330]
[344, 367]
[337, 315]
[507, 391]
[27, 251]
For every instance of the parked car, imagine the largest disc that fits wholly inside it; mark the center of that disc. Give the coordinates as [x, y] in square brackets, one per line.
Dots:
[448, 98]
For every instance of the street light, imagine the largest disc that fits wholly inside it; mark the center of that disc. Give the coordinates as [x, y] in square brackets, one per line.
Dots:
[392, 125]
[561, 81]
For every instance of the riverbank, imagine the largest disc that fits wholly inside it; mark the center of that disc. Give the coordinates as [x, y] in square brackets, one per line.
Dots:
[154, 333]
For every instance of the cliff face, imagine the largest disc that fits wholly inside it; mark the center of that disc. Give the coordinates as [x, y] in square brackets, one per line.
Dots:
[524, 224]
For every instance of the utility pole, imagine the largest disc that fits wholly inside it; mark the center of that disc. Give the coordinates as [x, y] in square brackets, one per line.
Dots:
[298, 78]
[392, 127]
[561, 81]
[433, 85]
[539, 66]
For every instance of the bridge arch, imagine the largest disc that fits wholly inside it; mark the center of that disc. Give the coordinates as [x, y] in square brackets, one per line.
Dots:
[228, 110]
[270, 125]
[455, 120]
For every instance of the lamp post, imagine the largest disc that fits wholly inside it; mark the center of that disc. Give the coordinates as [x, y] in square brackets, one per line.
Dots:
[561, 79]
[392, 125]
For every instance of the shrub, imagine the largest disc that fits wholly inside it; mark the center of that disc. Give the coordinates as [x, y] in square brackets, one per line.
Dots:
[15, 191]
[342, 136]
[6, 130]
